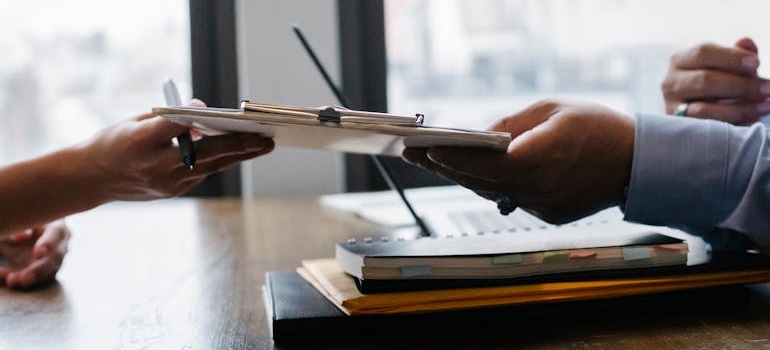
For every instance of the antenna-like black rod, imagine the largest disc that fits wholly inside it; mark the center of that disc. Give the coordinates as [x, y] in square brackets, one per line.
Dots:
[340, 97]
[383, 169]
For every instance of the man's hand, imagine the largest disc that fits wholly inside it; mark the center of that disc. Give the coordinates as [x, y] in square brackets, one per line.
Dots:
[718, 82]
[567, 160]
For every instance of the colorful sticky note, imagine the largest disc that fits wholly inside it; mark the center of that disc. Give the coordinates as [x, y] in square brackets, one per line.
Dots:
[507, 259]
[582, 254]
[636, 253]
[551, 257]
[415, 271]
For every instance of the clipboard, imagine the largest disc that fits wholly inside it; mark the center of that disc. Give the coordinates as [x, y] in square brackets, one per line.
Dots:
[332, 128]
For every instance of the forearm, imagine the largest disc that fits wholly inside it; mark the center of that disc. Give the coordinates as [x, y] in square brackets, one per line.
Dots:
[701, 176]
[47, 188]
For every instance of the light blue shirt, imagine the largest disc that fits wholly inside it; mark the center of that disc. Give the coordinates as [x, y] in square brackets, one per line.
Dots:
[705, 177]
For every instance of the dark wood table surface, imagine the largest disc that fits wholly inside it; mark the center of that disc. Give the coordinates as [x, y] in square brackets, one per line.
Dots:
[186, 274]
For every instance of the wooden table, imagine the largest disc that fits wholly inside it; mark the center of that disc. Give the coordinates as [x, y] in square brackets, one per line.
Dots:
[186, 274]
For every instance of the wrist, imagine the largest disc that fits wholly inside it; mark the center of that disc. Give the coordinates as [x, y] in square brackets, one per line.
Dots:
[80, 172]
[626, 157]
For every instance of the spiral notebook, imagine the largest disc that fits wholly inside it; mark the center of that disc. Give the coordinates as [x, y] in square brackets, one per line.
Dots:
[599, 243]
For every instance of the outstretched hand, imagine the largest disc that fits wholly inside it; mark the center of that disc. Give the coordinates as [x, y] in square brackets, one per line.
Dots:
[567, 160]
[137, 160]
[132, 160]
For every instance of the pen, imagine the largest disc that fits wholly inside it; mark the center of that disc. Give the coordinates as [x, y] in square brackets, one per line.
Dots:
[186, 145]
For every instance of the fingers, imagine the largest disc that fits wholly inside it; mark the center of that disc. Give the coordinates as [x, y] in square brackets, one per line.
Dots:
[39, 272]
[165, 129]
[482, 164]
[162, 130]
[23, 236]
[736, 60]
[465, 166]
[47, 256]
[715, 85]
[215, 153]
[527, 118]
[419, 157]
[212, 147]
[718, 82]
[734, 112]
[222, 163]
[145, 116]
[196, 103]
[170, 128]
[416, 156]
[53, 241]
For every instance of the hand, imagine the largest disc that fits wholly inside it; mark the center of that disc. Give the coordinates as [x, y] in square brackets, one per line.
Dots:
[567, 160]
[718, 82]
[32, 257]
[137, 160]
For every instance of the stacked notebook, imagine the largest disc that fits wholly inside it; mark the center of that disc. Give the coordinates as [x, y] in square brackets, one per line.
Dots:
[320, 304]
[598, 245]
[460, 280]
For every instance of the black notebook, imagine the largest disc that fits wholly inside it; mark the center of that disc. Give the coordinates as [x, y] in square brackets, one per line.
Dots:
[299, 316]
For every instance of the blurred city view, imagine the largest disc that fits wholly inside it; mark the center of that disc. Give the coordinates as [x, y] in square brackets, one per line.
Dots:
[69, 68]
[466, 63]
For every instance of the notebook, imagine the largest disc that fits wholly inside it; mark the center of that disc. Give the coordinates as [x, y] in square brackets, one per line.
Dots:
[299, 315]
[600, 246]
[332, 128]
[516, 246]
[340, 288]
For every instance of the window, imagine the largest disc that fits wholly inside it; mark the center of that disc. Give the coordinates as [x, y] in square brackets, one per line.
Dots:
[69, 68]
[466, 63]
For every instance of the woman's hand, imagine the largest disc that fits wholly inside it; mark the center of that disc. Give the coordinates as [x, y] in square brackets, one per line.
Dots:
[32, 257]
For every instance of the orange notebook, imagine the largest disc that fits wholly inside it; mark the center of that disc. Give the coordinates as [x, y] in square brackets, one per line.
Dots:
[340, 288]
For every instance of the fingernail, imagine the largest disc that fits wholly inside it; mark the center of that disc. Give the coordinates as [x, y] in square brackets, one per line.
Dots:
[750, 62]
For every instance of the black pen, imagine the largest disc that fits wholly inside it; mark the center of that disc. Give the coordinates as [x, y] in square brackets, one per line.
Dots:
[184, 140]
[187, 149]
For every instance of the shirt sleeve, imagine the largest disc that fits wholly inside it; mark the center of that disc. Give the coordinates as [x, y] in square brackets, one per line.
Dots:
[705, 177]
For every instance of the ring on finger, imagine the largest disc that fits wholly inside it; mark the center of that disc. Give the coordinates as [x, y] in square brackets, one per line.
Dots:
[681, 109]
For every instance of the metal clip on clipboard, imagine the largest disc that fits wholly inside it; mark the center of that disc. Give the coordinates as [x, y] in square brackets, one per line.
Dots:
[334, 114]
[329, 114]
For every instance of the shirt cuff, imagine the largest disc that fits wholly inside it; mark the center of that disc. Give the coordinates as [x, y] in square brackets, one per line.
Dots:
[668, 184]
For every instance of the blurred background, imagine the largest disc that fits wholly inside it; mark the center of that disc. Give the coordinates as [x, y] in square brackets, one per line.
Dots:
[67, 69]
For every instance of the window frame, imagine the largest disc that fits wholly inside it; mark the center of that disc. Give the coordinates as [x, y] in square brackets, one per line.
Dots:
[364, 83]
[215, 77]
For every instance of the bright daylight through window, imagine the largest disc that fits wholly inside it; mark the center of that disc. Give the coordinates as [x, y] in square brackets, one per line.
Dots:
[69, 68]
[466, 63]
